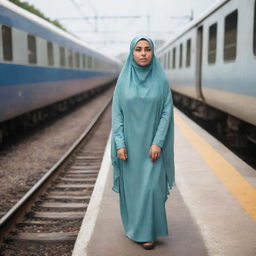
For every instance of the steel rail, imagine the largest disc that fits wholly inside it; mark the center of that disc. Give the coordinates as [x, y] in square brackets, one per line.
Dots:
[16, 213]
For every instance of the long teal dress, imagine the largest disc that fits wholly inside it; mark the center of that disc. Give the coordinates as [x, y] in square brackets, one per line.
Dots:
[142, 115]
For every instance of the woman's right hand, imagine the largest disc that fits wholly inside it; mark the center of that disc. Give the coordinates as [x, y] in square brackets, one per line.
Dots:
[122, 153]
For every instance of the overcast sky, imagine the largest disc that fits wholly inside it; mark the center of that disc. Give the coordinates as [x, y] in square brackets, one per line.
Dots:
[114, 35]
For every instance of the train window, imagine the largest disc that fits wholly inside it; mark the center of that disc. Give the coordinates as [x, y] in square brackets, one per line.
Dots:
[95, 63]
[230, 37]
[32, 57]
[70, 59]
[254, 30]
[7, 42]
[62, 57]
[84, 61]
[77, 60]
[174, 57]
[50, 54]
[99, 64]
[188, 53]
[181, 55]
[89, 62]
[212, 43]
[169, 59]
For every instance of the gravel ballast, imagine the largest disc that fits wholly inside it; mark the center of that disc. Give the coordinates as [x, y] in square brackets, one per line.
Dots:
[23, 164]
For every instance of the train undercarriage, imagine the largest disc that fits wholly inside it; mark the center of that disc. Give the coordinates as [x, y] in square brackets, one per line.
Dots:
[232, 131]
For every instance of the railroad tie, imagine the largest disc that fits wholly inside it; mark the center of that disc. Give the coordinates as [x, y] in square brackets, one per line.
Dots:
[74, 186]
[68, 197]
[85, 168]
[44, 237]
[60, 215]
[63, 205]
[78, 179]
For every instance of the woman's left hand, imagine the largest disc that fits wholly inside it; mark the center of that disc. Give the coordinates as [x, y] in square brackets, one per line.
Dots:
[154, 152]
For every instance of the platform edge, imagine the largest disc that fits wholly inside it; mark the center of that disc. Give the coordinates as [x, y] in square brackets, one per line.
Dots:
[89, 220]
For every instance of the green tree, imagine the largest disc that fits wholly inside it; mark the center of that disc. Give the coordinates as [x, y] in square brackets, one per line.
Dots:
[32, 9]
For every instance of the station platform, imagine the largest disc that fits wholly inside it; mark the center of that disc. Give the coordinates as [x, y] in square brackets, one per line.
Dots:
[210, 211]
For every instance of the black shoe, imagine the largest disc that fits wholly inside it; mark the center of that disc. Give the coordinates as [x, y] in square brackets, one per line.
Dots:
[148, 245]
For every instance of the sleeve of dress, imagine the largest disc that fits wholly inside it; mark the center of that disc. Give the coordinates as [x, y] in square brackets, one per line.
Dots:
[164, 121]
[117, 122]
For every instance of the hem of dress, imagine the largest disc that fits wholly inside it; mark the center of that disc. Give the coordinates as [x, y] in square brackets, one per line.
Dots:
[146, 240]
[115, 190]
[169, 190]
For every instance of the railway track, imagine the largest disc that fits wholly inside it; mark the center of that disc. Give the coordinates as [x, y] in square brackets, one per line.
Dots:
[47, 219]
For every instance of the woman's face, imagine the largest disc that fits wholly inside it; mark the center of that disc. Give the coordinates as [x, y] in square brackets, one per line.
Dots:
[142, 53]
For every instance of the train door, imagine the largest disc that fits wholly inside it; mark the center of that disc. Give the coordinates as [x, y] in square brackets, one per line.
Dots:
[199, 55]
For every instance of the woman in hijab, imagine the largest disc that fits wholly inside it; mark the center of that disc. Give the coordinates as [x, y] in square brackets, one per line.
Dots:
[142, 144]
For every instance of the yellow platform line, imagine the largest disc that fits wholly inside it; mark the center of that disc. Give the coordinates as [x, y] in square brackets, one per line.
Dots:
[243, 191]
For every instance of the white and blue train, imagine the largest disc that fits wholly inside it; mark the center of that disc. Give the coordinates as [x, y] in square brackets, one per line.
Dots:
[41, 64]
[212, 66]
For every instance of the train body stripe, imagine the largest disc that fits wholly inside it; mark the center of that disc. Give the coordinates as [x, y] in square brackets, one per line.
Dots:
[12, 74]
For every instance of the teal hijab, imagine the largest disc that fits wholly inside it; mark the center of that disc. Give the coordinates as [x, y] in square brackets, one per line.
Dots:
[142, 97]
[138, 76]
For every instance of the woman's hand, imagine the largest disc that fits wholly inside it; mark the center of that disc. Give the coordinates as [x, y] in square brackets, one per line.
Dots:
[122, 153]
[154, 152]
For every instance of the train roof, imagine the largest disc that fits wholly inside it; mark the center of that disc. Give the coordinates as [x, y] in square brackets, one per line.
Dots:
[40, 21]
[214, 7]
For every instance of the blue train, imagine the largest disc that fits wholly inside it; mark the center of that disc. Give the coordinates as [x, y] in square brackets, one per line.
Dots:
[41, 64]
[211, 65]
